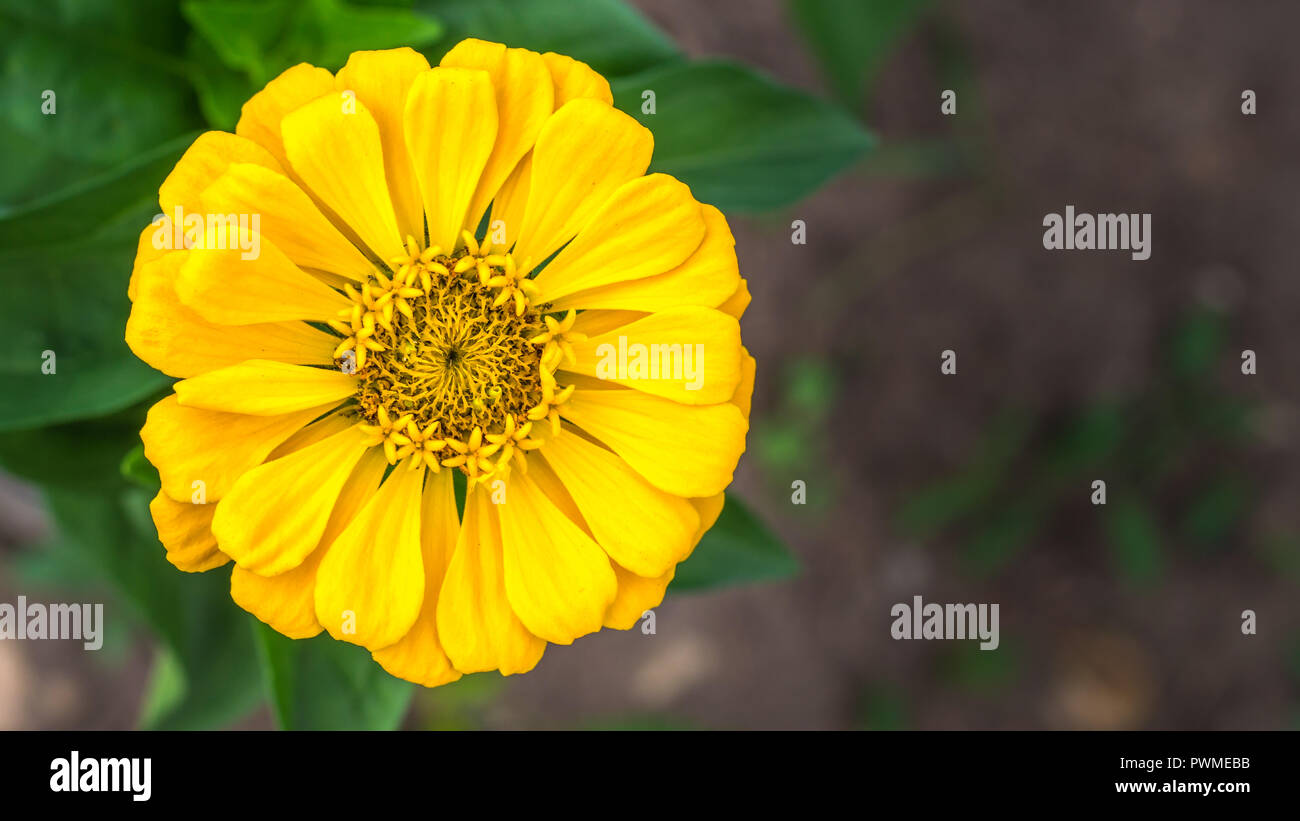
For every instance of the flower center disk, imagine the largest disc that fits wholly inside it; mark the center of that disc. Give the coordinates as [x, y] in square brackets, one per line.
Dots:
[446, 356]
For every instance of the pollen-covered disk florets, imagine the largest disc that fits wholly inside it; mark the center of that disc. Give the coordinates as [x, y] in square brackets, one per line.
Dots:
[456, 358]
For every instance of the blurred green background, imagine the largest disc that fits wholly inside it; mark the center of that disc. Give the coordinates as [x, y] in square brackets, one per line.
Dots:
[923, 235]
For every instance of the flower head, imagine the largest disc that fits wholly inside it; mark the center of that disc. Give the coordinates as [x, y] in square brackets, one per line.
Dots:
[405, 274]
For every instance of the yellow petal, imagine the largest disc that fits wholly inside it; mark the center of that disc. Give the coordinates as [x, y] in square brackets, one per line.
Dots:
[338, 154]
[549, 481]
[639, 526]
[185, 530]
[381, 80]
[557, 579]
[585, 151]
[478, 628]
[288, 218]
[171, 337]
[205, 160]
[648, 226]
[570, 80]
[371, 582]
[263, 388]
[596, 323]
[709, 508]
[524, 100]
[686, 450]
[708, 277]
[275, 514]
[738, 301]
[419, 656]
[573, 79]
[745, 388]
[508, 206]
[287, 602]
[636, 595]
[219, 284]
[191, 446]
[260, 118]
[154, 244]
[337, 421]
[651, 353]
[451, 124]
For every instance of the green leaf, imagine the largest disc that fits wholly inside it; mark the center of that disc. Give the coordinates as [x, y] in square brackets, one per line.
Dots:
[740, 140]
[83, 456]
[811, 387]
[1135, 539]
[883, 708]
[238, 47]
[852, 38]
[262, 39]
[737, 549]
[166, 690]
[191, 613]
[137, 469]
[241, 34]
[119, 87]
[795, 433]
[1282, 552]
[608, 35]
[114, 205]
[982, 671]
[334, 29]
[222, 90]
[938, 505]
[324, 684]
[1216, 510]
[781, 446]
[1197, 342]
[1004, 536]
[1087, 439]
[64, 264]
[933, 508]
[461, 704]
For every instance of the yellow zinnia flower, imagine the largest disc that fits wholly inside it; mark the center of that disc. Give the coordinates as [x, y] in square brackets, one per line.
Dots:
[351, 290]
